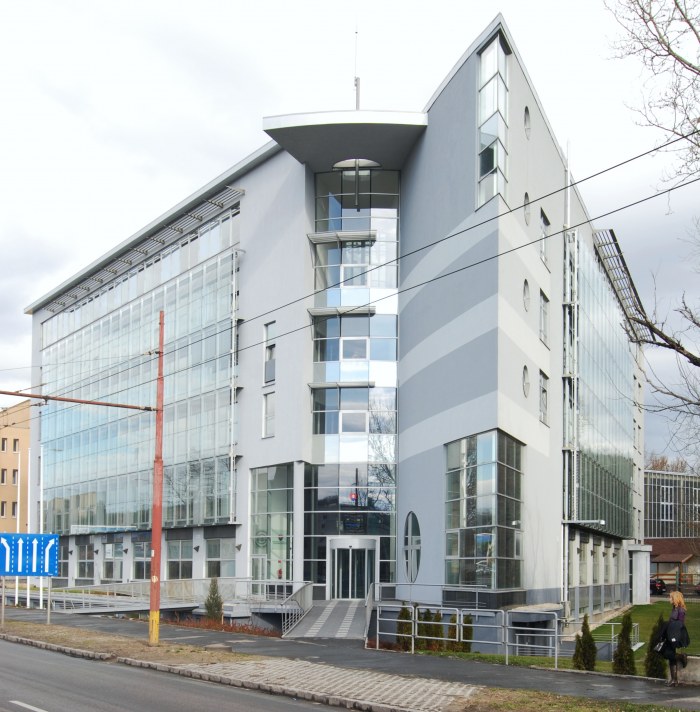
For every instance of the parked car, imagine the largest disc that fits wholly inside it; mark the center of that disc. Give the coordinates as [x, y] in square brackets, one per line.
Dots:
[657, 586]
[697, 589]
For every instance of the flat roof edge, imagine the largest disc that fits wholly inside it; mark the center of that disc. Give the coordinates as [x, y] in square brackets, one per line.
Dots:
[323, 118]
[252, 161]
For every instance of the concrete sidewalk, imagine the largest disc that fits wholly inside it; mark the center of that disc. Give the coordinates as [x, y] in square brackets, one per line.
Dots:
[345, 674]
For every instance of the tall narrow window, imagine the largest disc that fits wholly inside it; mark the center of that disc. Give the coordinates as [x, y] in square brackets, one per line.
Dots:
[15, 445]
[270, 337]
[544, 318]
[493, 119]
[3, 509]
[15, 477]
[3, 477]
[4, 444]
[14, 510]
[268, 415]
[544, 396]
[544, 237]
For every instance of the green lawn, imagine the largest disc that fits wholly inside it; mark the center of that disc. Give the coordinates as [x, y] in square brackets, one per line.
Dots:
[647, 616]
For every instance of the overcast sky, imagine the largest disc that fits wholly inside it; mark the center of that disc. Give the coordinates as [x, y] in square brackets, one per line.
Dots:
[114, 112]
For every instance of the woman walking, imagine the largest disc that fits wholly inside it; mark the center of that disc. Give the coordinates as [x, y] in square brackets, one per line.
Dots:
[675, 635]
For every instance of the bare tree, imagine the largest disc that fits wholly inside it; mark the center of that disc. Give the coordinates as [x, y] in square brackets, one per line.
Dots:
[665, 36]
[661, 463]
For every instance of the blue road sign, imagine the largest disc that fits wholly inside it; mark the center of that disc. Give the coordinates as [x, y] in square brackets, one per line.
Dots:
[28, 554]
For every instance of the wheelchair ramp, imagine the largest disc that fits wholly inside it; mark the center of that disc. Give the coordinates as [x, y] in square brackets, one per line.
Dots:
[332, 619]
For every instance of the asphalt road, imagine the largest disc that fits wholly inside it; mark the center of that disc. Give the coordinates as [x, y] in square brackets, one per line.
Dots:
[351, 654]
[41, 681]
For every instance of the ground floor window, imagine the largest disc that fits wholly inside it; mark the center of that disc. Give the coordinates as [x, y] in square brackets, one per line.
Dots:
[112, 561]
[63, 560]
[221, 558]
[180, 559]
[86, 561]
[142, 560]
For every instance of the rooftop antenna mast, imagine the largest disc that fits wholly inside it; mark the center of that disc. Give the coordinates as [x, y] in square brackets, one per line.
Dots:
[357, 79]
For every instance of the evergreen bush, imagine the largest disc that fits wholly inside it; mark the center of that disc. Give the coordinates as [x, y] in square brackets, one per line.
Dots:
[467, 634]
[437, 633]
[655, 663]
[425, 618]
[404, 628]
[585, 652]
[623, 657]
[214, 604]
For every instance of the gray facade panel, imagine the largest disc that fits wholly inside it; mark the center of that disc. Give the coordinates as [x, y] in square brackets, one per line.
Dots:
[466, 373]
[441, 302]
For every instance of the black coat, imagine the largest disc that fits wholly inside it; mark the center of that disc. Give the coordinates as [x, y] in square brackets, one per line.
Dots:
[675, 635]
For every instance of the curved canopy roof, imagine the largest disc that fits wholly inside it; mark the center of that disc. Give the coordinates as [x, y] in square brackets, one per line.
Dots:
[322, 139]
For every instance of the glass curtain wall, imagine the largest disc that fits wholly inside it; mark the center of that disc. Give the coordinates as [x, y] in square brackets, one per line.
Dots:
[606, 402]
[484, 538]
[350, 489]
[98, 461]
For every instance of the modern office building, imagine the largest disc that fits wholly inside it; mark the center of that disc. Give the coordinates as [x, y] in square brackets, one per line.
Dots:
[672, 524]
[14, 469]
[395, 353]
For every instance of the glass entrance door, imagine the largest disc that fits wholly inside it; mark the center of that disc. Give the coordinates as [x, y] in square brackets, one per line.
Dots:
[353, 567]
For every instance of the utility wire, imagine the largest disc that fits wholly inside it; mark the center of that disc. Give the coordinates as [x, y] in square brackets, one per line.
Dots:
[418, 250]
[423, 283]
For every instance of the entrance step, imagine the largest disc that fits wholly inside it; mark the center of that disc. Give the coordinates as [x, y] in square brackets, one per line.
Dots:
[332, 619]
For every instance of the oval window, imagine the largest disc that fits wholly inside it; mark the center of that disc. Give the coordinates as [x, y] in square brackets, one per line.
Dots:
[526, 208]
[526, 381]
[411, 546]
[526, 121]
[526, 295]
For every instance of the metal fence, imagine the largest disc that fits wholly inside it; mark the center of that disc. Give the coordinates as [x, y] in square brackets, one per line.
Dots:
[509, 633]
[192, 592]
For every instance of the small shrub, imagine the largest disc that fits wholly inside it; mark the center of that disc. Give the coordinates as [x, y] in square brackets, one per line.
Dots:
[464, 645]
[404, 628]
[467, 634]
[623, 658]
[425, 618]
[655, 663]
[585, 652]
[437, 633]
[214, 604]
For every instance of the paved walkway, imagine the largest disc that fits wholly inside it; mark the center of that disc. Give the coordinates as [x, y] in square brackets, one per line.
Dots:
[344, 673]
[331, 685]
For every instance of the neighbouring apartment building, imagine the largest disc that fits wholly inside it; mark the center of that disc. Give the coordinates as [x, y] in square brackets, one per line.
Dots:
[395, 354]
[14, 469]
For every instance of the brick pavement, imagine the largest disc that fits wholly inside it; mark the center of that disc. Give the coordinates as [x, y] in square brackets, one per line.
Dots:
[319, 682]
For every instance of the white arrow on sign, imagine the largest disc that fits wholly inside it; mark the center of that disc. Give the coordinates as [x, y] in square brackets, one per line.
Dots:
[35, 544]
[47, 558]
[3, 541]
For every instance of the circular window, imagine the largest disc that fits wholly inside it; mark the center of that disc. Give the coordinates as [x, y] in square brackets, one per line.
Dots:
[526, 381]
[411, 546]
[526, 295]
[526, 121]
[526, 208]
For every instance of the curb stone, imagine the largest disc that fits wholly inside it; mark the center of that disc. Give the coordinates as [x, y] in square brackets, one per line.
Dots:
[73, 652]
[331, 700]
